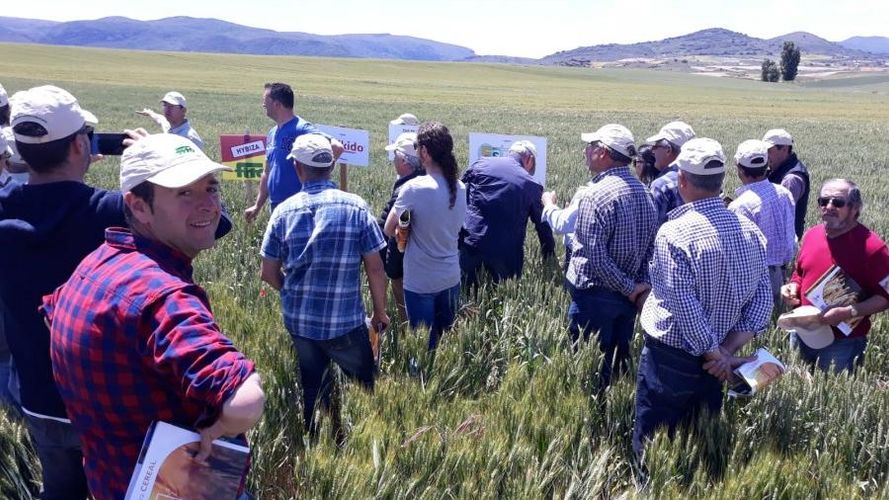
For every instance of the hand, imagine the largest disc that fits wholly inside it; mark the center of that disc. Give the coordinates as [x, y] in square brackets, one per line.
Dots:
[336, 147]
[134, 135]
[836, 315]
[208, 434]
[548, 198]
[638, 290]
[722, 365]
[790, 294]
[96, 157]
[145, 112]
[250, 213]
[380, 320]
[641, 298]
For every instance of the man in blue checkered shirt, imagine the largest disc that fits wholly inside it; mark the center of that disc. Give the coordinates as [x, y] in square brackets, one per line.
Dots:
[608, 270]
[710, 295]
[312, 253]
[665, 146]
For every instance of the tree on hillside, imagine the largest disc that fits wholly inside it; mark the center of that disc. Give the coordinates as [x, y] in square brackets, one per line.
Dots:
[789, 61]
[770, 71]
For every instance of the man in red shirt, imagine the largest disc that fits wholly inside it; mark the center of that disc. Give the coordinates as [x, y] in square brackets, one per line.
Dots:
[863, 262]
[133, 339]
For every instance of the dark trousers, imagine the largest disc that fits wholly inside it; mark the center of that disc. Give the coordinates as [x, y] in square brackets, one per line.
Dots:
[351, 352]
[472, 261]
[61, 458]
[611, 316]
[672, 388]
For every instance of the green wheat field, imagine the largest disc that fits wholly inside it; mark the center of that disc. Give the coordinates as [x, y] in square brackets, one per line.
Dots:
[506, 410]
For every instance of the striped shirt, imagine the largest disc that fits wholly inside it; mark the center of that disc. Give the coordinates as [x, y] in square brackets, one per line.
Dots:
[613, 235]
[708, 278]
[771, 207]
[320, 235]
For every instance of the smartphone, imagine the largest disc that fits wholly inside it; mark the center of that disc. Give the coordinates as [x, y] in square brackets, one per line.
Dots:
[108, 144]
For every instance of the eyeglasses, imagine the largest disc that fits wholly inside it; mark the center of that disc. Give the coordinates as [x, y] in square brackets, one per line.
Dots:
[823, 201]
[88, 130]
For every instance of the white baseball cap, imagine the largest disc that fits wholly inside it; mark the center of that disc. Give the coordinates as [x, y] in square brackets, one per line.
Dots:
[53, 108]
[406, 119]
[753, 153]
[697, 153]
[616, 137]
[313, 150]
[174, 98]
[804, 320]
[778, 137]
[4, 98]
[522, 147]
[677, 133]
[404, 144]
[167, 160]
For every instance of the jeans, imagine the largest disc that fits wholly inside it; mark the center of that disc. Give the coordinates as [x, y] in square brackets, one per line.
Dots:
[844, 354]
[351, 352]
[612, 316]
[61, 458]
[435, 310]
[672, 388]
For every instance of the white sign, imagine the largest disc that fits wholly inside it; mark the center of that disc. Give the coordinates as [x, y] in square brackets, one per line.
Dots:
[493, 145]
[356, 144]
[397, 129]
[249, 148]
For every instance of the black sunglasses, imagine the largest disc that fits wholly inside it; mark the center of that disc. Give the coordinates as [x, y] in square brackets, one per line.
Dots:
[823, 201]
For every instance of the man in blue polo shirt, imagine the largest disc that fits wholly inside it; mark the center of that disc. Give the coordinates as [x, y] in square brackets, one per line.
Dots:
[279, 181]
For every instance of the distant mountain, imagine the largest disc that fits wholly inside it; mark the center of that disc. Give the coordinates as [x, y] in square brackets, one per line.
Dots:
[874, 44]
[710, 42]
[189, 34]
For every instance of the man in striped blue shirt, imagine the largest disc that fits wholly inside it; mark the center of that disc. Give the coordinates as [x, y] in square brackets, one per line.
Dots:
[608, 270]
[710, 295]
[312, 253]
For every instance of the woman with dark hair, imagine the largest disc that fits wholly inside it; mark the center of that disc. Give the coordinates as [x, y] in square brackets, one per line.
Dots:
[434, 205]
[643, 164]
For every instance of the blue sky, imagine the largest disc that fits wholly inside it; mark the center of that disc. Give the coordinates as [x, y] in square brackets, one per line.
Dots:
[516, 27]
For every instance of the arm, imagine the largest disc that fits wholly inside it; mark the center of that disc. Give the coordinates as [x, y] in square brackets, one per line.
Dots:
[544, 233]
[867, 307]
[239, 414]
[561, 220]
[271, 273]
[251, 212]
[376, 280]
[161, 120]
[402, 203]
[391, 224]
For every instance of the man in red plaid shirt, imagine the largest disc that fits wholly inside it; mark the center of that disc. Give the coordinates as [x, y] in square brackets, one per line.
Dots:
[133, 337]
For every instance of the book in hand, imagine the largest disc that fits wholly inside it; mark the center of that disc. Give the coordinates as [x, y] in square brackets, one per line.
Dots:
[166, 469]
[757, 374]
[836, 288]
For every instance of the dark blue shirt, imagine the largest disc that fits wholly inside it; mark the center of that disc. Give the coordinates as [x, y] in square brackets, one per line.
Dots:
[283, 182]
[501, 196]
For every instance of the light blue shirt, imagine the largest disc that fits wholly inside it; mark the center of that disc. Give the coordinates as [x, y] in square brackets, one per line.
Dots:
[185, 130]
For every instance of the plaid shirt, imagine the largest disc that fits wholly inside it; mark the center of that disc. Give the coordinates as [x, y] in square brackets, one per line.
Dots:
[613, 235]
[771, 208]
[665, 192]
[134, 341]
[320, 236]
[708, 278]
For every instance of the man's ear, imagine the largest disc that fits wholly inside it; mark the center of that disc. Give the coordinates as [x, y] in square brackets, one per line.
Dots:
[140, 209]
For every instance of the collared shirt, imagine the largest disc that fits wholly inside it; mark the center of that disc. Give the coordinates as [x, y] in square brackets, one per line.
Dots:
[185, 130]
[320, 236]
[770, 207]
[616, 224]
[563, 220]
[708, 277]
[665, 193]
[133, 342]
[282, 180]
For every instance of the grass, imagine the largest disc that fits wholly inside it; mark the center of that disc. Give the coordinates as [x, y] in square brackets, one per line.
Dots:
[506, 409]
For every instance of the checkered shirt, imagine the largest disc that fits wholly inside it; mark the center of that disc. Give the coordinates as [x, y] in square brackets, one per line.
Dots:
[771, 207]
[134, 341]
[320, 236]
[665, 192]
[708, 278]
[613, 234]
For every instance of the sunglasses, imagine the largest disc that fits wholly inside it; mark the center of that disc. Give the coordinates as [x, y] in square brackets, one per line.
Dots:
[823, 201]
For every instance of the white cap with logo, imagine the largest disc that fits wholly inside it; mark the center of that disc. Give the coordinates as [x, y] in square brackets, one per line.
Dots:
[778, 137]
[404, 144]
[752, 153]
[53, 108]
[697, 154]
[312, 150]
[167, 160]
[677, 133]
[616, 137]
[174, 98]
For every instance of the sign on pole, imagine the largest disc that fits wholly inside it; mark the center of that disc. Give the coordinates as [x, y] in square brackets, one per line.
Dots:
[245, 153]
[483, 145]
[397, 129]
[356, 144]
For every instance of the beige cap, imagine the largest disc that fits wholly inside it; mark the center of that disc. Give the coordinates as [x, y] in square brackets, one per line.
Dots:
[404, 144]
[697, 153]
[806, 322]
[174, 98]
[677, 133]
[616, 137]
[753, 153]
[313, 150]
[167, 160]
[778, 137]
[406, 119]
[53, 108]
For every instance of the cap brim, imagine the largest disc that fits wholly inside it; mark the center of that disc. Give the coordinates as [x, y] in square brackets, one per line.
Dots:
[89, 118]
[653, 139]
[816, 338]
[391, 147]
[590, 137]
[186, 173]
